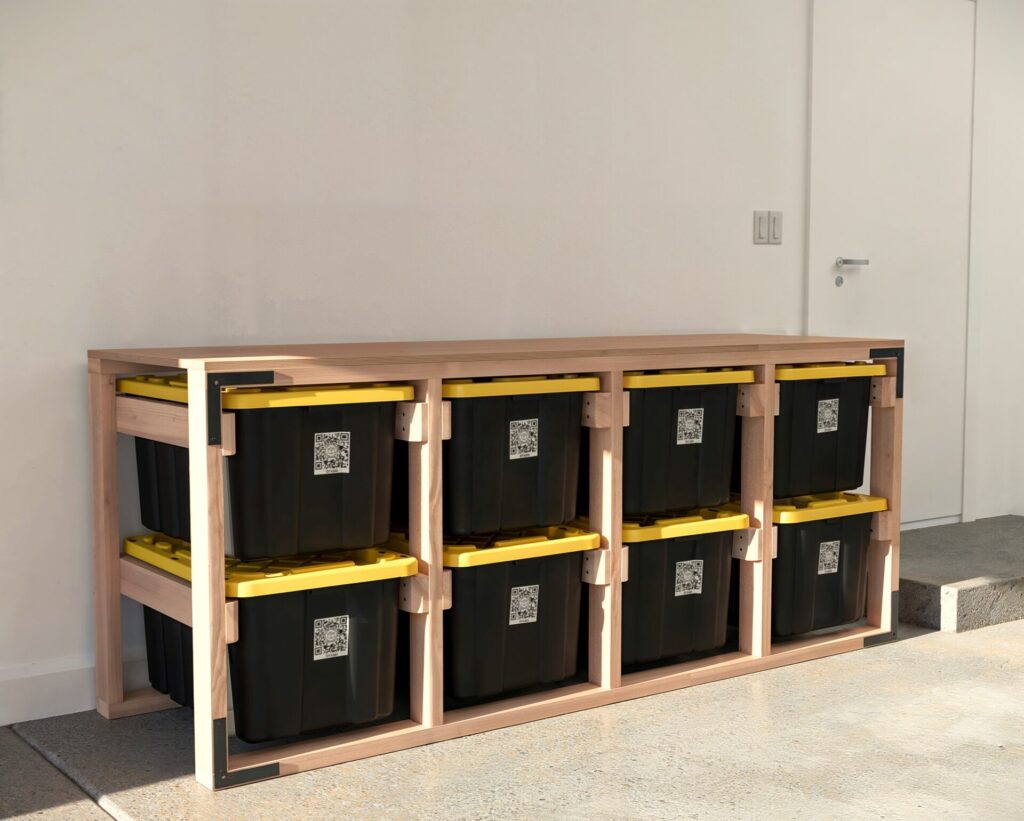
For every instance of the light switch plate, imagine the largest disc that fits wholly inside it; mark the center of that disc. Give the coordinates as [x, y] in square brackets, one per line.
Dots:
[761, 236]
[775, 228]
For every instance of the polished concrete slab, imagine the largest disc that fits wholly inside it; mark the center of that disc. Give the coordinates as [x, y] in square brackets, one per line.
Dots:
[931, 726]
[30, 787]
[963, 576]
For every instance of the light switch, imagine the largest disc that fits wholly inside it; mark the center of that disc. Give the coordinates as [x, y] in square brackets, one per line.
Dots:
[761, 227]
[775, 228]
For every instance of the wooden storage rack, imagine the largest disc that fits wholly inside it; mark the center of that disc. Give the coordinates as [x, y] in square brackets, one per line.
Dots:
[209, 435]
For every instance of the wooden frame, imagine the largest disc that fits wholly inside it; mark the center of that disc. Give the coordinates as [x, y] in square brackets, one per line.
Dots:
[425, 423]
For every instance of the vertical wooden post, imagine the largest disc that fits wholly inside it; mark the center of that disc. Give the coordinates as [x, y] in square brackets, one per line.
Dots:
[209, 654]
[756, 483]
[105, 541]
[605, 613]
[886, 465]
[425, 543]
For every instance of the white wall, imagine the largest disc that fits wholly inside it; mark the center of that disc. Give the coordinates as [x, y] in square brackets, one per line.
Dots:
[994, 452]
[189, 172]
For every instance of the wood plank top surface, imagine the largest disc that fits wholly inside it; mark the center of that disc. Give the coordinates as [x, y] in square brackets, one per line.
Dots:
[364, 354]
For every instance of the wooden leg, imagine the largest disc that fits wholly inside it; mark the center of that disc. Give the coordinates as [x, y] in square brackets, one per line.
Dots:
[605, 602]
[425, 543]
[884, 553]
[209, 656]
[756, 480]
[106, 544]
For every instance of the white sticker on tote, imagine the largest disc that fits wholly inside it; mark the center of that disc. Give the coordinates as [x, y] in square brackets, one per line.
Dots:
[689, 577]
[330, 637]
[690, 426]
[525, 602]
[828, 415]
[523, 438]
[331, 452]
[828, 557]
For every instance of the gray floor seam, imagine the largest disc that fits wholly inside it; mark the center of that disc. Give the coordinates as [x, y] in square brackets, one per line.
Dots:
[55, 761]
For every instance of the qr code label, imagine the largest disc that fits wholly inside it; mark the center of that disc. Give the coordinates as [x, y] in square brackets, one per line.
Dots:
[330, 637]
[828, 415]
[690, 577]
[525, 601]
[828, 558]
[523, 438]
[331, 452]
[690, 426]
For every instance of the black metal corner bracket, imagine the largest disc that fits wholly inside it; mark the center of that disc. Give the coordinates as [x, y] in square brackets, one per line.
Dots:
[892, 353]
[214, 383]
[885, 638]
[222, 777]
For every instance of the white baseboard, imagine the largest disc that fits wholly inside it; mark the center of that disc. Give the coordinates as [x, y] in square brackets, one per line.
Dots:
[59, 686]
[943, 520]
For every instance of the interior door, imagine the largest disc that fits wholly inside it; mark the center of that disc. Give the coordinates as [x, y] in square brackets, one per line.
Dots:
[891, 99]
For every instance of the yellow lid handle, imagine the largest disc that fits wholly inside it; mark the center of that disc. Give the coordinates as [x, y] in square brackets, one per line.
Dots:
[519, 540]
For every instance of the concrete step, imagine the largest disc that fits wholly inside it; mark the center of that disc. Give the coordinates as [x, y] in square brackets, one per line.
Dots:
[965, 576]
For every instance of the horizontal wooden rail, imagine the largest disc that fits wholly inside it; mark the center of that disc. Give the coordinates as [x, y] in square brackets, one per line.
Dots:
[165, 422]
[136, 703]
[168, 594]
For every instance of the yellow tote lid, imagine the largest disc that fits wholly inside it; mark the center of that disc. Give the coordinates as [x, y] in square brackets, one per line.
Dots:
[697, 523]
[518, 386]
[801, 509]
[264, 577]
[175, 389]
[684, 377]
[827, 370]
[532, 543]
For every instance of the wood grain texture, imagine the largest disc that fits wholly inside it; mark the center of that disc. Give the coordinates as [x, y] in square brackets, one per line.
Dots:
[260, 357]
[756, 490]
[425, 543]
[139, 702]
[169, 595]
[311, 363]
[165, 422]
[886, 479]
[597, 409]
[605, 600]
[106, 543]
[209, 654]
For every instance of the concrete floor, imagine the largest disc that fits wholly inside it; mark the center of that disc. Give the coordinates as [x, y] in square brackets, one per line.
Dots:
[32, 787]
[963, 576]
[929, 727]
[953, 553]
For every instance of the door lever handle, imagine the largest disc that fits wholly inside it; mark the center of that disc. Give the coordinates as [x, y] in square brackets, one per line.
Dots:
[842, 262]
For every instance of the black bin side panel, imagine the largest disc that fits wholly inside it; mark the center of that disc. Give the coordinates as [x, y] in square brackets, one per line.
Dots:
[265, 482]
[658, 624]
[804, 599]
[400, 486]
[485, 490]
[661, 475]
[292, 673]
[163, 487]
[281, 506]
[810, 462]
[169, 656]
[485, 655]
